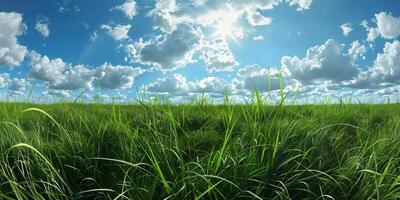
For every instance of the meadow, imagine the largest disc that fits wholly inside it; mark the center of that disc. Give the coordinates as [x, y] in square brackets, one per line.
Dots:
[199, 151]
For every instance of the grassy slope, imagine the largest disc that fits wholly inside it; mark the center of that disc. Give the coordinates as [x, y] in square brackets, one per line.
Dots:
[197, 151]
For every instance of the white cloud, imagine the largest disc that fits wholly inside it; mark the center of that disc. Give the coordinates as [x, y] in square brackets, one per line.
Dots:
[42, 68]
[388, 62]
[387, 26]
[255, 18]
[324, 62]
[253, 70]
[116, 77]
[386, 69]
[17, 84]
[118, 32]
[258, 38]
[94, 36]
[63, 76]
[119, 97]
[388, 90]
[213, 21]
[346, 29]
[128, 8]
[372, 32]
[301, 4]
[168, 52]
[74, 78]
[322, 89]
[357, 50]
[255, 77]
[4, 78]
[262, 83]
[42, 26]
[228, 13]
[363, 80]
[59, 74]
[96, 97]
[198, 3]
[218, 56]
[56, 93]
[11, 53]
[212, 85]
[162, 15]
[178, 85]
[252, 11]
[239, 33]
[175, 84]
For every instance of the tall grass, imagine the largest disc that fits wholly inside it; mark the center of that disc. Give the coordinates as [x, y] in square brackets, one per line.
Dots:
[199, 150]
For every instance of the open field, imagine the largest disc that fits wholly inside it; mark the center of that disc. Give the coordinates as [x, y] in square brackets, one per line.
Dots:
[199, 151]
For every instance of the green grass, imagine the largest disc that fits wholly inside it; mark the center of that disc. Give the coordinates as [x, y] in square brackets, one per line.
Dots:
[199, 151]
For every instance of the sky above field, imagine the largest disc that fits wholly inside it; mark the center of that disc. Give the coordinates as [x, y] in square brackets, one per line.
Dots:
[180, 49]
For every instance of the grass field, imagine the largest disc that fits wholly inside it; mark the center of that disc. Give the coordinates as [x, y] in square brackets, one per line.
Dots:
[199, 151]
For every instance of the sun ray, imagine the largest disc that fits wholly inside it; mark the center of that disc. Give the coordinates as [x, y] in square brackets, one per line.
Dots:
[225, 25]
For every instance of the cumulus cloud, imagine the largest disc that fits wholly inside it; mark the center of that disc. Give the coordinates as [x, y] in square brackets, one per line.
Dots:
[198, 3]
[387, 26]
[253, 70]
[175, 84]
[59, 74]
[163, 15]
[119, 97]
[42, 68]
[117, 77]
[301, 4]
[128, 8]
[117, 32]
[252, 11]
[178, 85]
[168, 52]
[257, 19]
[387, 63]
[388, 90]
[4, 78]
[17, 84]
[346, 29]
[357, 50]
[309, 93]
[202, 28]
[372, 32]
[11, 53]
[248, 79]
[255, 77]
[56, 93]
[363, 80]
[42, 26]
[324, 62]
[74, 78]
[64, 76]
[386, 69]
[212, 85]
[218, 57]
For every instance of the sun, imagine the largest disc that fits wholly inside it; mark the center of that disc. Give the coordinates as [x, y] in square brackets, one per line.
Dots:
[224, 29]
[224, 23]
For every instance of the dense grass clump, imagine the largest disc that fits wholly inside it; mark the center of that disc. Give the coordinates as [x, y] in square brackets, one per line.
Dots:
[161, 151]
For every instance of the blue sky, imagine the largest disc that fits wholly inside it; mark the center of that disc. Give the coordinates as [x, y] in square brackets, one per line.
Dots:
[183, 48]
